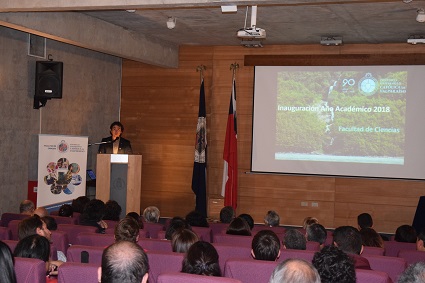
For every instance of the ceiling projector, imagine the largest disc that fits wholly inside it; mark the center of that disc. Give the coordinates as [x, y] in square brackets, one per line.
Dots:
[251, 33]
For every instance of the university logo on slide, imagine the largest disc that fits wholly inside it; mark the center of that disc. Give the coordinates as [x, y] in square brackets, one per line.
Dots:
[368, 85]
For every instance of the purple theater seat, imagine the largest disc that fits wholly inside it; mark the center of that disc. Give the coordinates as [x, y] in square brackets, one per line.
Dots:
[111, 223]
[299, 254]
[312, 246]
[7, 217]
[152, 229]
[178, 277]
[235, 240]
[204, 233]
[161, 235]
[393, 266]
[411, 256]
[13, 227]
[64, 220]
[71, 272]
[277, 230]
[11, 243]
[5, 233]
[155, 244]
[372, 251]
[74, 230]
[95, 239]
[95, 254]
[226, 252]
[392, 247]
[249, 270]
[60, 240]
[218, 228]
[329, 238]
[369, 276]
[30, 270]
[160, 262]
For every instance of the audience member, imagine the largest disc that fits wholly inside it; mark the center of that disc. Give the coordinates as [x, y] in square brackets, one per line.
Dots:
[420, 242]
[33, 225]
[182, 240]
[124, 261]
[272, 219]
[66, 210]
[227, 214]
[41, 211]
[201, 259]
[316, 233]
[177, 223]
[112, 210]
[151, 214]
[294, 239]
[334, 266]
[136, 217]
[371, 238]
[26, 207]
[36, 246]
[7, 274]
[295, 271]
[79, 204]
[265, 246]
[248, 218]
[51, 223]
[196, 219]
[127, 229]
[349, 240]
[309, 221]
[415, 273]
[406, 234]
[93, 215]
[364, 220]
[238, 226]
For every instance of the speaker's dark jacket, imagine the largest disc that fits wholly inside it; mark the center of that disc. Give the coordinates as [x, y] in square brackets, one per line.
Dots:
[123, 148]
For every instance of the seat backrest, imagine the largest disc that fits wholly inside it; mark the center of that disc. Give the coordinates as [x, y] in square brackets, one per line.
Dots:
[30, 270]
[11, 243]
[60, 240]
[393, 266]
[392, 247]
[64, 220]
[111, 223]
[13, 227]
[155, 244]
[235, 240]
[411, 256]
[71, 272]
[277, 230]
[95, 239]
[373, 251]
[299, 254]
[218, 228]
[329, 238]
[226, 252]
[73, 231]
[249, 270]
[312, 246]
[368, 276]
[178, 277]
[94, 254]
[7, 217]
[161, 235]
[152, 229]
[204, 233]
[5, 233]
[160, 262]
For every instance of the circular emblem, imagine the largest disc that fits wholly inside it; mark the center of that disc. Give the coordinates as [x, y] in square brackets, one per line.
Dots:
[368, 85]
[63, 146]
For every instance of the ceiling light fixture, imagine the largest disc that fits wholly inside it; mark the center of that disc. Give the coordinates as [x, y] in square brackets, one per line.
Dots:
[407, 1]
[415, 39]
[171, 22]
[131, 11]
[331, 40]
[421, 16]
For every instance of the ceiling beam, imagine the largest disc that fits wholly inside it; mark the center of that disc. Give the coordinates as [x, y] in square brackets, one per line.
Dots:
[84, 31]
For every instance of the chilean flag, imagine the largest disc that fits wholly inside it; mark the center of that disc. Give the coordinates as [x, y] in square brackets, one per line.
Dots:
[230, 155]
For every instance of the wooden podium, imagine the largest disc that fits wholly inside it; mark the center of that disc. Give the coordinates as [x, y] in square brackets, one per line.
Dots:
[134, 178]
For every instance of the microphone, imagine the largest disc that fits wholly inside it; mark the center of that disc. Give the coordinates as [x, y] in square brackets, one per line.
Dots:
[104, 142]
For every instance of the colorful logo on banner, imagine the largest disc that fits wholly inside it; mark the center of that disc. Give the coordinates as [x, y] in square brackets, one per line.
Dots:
[62, 176]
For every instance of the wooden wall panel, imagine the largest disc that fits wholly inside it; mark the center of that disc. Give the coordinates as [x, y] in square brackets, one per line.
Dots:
[159, 109]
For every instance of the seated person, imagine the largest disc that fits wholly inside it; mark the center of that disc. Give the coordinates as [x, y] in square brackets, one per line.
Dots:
[371, 238]
[177, 223]
[195, 218]
[238, 226]
[51, 223]
[26, 207]
[66, 210]
[182, 240]
[112, 210]
[41, 211]
[316, 233]
[271, 219]
[349, 240]
[79, 203]
[364, 220]
[151, 214]
[127, 229]
[227, 214]
[201, 259]
[309, 221]
[420, 242]
[294, 239]
[295, 271]
[334, 266]
[7, 274]
[248, 218]
[405, 234]
[136, 217]
[414, 273]
[93, 214]
[265, 246]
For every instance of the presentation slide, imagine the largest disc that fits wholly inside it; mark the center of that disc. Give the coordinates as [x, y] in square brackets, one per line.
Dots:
[351, 121]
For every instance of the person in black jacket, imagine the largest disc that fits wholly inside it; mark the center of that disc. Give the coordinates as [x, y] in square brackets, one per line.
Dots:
[115, 143]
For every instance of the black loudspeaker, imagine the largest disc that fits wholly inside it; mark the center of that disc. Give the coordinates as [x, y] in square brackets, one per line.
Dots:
[48, 79]
[419, 220]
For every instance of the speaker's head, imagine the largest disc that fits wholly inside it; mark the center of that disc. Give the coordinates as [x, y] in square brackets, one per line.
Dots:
[48, 79]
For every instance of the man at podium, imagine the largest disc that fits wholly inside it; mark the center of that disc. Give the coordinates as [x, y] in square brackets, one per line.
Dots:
[115, 143]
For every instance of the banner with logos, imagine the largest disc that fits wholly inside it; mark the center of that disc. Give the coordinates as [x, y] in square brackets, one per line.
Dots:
[62, 164]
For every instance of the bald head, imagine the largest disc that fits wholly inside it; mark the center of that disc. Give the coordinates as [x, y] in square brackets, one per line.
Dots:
[26, 207]
[41, 211]
[295, 271]
[124, 261]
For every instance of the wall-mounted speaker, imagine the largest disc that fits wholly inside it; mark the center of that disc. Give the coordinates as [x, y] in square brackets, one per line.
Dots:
[48, 79]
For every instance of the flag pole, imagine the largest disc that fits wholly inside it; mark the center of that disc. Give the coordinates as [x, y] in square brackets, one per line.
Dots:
[234, 67]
